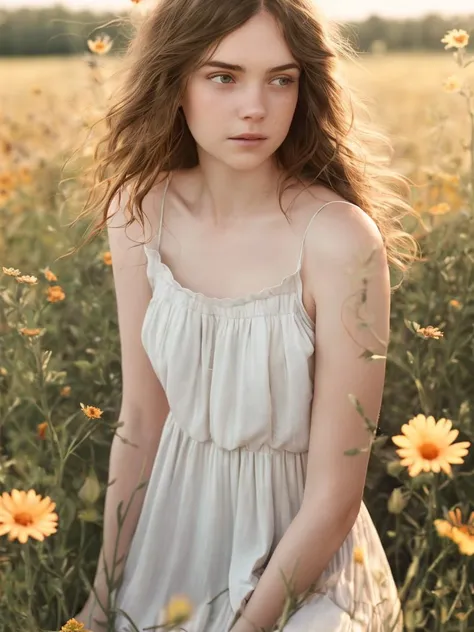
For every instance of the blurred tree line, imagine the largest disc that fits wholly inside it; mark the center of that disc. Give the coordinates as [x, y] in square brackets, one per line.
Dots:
[58, 31]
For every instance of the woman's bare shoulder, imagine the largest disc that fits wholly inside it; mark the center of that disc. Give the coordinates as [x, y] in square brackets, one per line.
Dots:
[309, 199]
[151, 204]
[321, 194]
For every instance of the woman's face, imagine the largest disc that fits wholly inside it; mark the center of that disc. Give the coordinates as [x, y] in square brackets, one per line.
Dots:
[220, 103]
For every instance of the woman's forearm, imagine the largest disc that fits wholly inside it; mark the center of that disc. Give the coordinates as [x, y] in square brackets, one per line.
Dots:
[301, 556]
[128, 467]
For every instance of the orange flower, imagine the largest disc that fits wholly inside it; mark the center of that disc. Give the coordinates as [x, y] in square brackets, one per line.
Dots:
[455, 303]
[426, 445]
[26, 515]
[439, 209]
[55, 293]
[107, 258]
[30, 332]
[464, 537]
[91, 411]
[430, 332]
[7, 181]
[41, 428]
[65, 391]
[73, 626]
[50, 276]
[462, 533]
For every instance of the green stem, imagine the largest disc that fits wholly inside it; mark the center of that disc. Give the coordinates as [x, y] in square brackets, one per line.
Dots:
[28, 577]
[458, 594]
[471, 115]
[45, 412]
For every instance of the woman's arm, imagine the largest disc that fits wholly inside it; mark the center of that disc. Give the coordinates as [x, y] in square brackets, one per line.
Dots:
[349, 280]
[144, 406]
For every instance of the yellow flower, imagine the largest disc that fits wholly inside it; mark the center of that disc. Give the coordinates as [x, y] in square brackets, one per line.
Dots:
[358, 555]
[456, 38]
[55, 293]
[444, 528]
[73, 626]
[107, 258]
[465, 540]
[452, 84]
[26, 278]
[178, 610]
[101, 45]
[456, 530]
[11, 271]
[449, 178]
[439, 209]
[91, 411]
[50, 276]
[425, 445]
[25, 514]
[430, 332]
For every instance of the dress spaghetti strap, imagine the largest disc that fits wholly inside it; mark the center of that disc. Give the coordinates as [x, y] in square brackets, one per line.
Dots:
[160, 228]
[300, 261]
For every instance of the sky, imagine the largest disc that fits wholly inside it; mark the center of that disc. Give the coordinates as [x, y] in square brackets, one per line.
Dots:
[336, 9]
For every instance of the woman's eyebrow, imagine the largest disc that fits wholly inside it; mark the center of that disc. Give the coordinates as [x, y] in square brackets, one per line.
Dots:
[226, 66]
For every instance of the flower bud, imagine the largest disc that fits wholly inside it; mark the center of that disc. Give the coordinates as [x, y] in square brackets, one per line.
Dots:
[397, 501]
[90, 490]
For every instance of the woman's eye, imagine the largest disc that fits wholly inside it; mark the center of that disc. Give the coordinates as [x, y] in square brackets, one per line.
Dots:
[217, 76]
[287, 79]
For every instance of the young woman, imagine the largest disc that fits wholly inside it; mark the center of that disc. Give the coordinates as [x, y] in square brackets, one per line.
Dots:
[247, 325]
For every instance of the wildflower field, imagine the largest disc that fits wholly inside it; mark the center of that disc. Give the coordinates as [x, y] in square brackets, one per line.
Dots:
[60, 372]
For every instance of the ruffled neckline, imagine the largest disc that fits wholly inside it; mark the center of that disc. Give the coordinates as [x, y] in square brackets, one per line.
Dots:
[280, 288]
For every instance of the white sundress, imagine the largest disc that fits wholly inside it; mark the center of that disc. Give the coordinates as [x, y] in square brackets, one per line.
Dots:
[229, 473]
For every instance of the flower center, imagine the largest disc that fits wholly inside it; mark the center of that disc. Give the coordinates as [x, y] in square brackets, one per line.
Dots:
[466, 529]
[23, 518]
[429, 451]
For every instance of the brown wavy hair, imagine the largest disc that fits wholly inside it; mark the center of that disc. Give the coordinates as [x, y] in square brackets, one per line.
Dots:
[328, 143]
